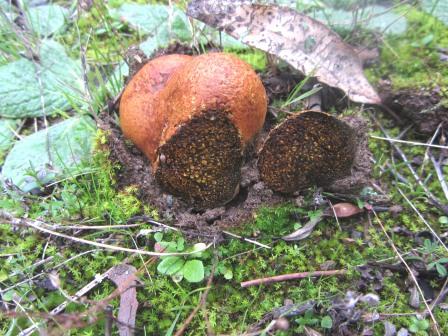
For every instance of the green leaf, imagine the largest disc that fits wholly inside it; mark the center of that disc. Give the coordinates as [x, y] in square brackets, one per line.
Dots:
[326, 322]
[169, 247]
[56, 152]
[3, 275]
[48, 19]
[441, 270]
[7, 128]
[431, 265]
[413, 328]
[158, 236]
[443, 220]
[228, 274]
[162, 23]
[225, 271]
[8, 296]
[197, 250]
[180, 244]
[34, 88]
[437, 8]
[170, 265]
[422, 324]
[193, 271]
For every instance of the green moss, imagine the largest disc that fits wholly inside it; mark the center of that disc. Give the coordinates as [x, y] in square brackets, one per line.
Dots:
[412, 60]
[256, 58]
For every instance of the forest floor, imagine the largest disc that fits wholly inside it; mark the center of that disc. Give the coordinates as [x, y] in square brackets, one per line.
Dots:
[81, 241]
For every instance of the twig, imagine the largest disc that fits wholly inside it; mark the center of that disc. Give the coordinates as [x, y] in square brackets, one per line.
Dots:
[413, 143]
[246, 239]
[411, 274]
[291, 276]
[335, 215]
[98, 279]
[44, 272]
[201, 303]
[38, 225]
[442, 294]
[439, 173]
[422, 218]
[149, 220]
[428, 149]
[414, 174]
[94, 227]
[392, 170]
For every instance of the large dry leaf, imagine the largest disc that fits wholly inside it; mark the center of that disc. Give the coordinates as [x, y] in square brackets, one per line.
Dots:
[306, 44]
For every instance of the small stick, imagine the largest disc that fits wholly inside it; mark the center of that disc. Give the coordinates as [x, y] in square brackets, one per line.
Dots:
[392, 171]
[423, 219]
[411, 273]
[84, 290]
[291, 276]
[246, 239]
[414, 174]
[440, 297]
[149, 220]
[439, 172]
[40, 226]
[412, 143]
[428, 149]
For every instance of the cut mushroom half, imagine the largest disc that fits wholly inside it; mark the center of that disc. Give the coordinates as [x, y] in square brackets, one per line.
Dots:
[308, 148]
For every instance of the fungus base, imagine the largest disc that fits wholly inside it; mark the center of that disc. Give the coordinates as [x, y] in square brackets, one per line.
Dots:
[201, 162]
[310, 148]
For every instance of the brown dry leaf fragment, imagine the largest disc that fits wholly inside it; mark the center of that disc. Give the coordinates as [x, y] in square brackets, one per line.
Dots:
[343, 210]
[306, 44]
[124, 278]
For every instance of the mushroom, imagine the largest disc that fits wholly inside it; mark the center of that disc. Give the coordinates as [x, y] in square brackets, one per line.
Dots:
[215, 105]
[139, 121]
[196, 127]
[308, 148]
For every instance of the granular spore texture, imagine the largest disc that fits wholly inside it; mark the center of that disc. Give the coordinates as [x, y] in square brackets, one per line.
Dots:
[201, 162]
[309, 148]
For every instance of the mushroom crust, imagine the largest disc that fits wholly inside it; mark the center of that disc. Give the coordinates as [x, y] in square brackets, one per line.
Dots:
[139, 121]
[308, 148]
[193, 117]
[215, 105]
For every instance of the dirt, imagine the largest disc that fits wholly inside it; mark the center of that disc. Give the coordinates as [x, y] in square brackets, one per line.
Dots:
[362, 167]
[423, 107]
[135, 170]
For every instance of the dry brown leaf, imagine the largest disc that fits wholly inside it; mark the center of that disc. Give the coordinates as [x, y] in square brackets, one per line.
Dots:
[343, 210]
[124, 277]
[306, 44]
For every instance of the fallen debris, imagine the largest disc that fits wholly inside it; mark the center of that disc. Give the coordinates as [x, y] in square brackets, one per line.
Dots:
[291, 276]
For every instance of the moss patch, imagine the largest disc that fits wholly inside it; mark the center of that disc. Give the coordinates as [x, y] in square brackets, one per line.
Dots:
[412, 60]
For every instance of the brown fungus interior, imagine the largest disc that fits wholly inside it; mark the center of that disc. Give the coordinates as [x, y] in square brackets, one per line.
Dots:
[201, 162]
[309, 148]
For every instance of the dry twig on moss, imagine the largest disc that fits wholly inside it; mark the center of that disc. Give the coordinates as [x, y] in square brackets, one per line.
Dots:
[291, 276]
